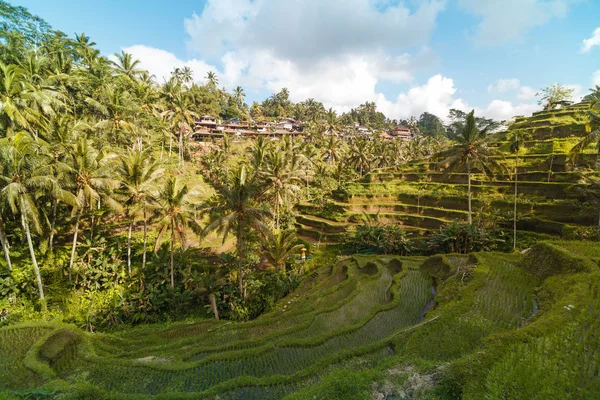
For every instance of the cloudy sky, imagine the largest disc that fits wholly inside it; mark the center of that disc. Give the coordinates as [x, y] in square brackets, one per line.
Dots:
[407, 56]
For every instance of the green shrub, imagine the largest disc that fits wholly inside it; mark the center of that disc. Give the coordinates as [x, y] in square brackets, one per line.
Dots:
[463, 238]
[379, 239]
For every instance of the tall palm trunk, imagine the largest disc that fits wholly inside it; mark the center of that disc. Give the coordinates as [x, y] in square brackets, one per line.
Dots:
[172, 241]
[129, 245]
[36, 269]
[5, 246]
[213, 303]
[469, 192]
[145, 239]
[277, 213]
[240, 247]
[74, 247]
[170, 145]
[52, 225]
[515, 205]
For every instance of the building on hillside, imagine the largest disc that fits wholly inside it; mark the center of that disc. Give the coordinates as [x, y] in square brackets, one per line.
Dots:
[206, 122]
[402, 132]
[363, 129]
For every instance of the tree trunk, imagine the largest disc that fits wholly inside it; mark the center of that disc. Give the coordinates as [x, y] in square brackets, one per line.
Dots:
[5, 245]
[515, 205]
[551, 164]
[277, 213]
[469, 192]
[52, 226]
[240, 246]
[145, 239]
[213, 303]
[129, 245]
[74, 247]
[36, 269]
[172, 241]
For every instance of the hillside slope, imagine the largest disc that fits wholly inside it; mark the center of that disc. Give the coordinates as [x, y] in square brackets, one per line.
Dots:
[366, 327]
[422, 198]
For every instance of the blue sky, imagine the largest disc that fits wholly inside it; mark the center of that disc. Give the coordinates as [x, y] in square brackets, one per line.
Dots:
[408, 56]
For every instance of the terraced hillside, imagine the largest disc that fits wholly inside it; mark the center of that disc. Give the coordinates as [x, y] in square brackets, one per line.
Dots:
[422, 198]
[365, 327]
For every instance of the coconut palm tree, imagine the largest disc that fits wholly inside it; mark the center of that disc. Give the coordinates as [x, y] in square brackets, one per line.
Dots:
[175, 216]
[17, 98]
[516, 139]
[360, 155]
[181, 117]
[212, 79]
[258, 152]
[138, 170]
[333, 149]
[279, 247]
[127, 66]
[234, 209]
[281, 179]
[22, 179]
[212, 282]
[239, 95]
[470, 152]
[93, 180]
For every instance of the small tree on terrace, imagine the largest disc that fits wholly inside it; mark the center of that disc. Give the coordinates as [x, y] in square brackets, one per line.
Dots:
[553, 94]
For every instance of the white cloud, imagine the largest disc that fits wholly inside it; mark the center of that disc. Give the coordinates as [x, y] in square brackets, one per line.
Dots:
[161, 63]
[596, 78]
[270, 44]
[504, 85]
[577, 92]
[506, 20]
[594, 40]
[526, 93]
[512, 85]
[505, 110]
[294, 30]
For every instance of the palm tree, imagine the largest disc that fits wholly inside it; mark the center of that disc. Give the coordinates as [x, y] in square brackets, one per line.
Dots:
[234, 209]
[470, 151]
[181, 118]
[239, 95]
[517, 140]
[360, 156]
[183, 75]
[281, 178]
[22, 178]
[258, 153]
[93, 181]
[213, 80]
[115, 106]
[138, 170]
[333, 149]
[212, 281]
[17, 96]
[332, 121]
[176, 216]
[127, 66]
[279, 247]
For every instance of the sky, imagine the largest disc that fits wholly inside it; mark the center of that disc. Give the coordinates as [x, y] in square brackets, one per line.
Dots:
[408, 57]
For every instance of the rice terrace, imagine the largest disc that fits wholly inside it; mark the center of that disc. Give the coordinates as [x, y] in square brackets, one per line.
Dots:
[295, 200]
